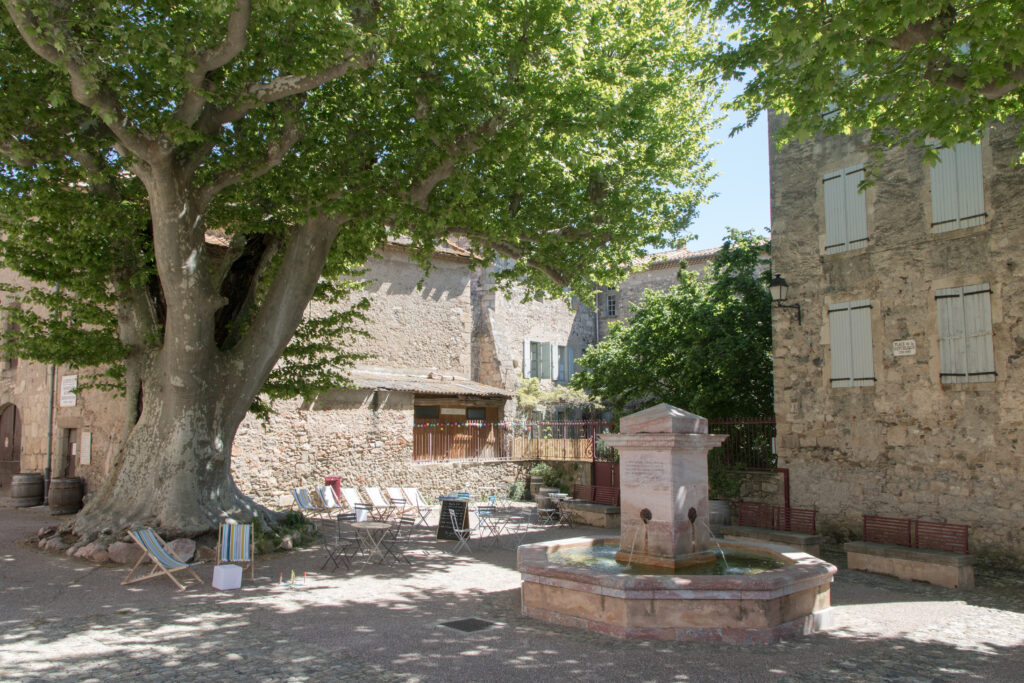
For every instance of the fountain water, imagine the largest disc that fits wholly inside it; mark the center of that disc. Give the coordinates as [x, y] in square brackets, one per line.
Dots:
[663, 481]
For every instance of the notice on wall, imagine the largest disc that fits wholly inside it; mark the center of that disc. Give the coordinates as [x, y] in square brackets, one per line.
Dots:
[85, 458]
[640, 471]
[904, 347]
[68, 385]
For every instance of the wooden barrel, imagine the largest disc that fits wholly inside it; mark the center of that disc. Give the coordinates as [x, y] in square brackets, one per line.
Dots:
[543, 497]
[65, 495]
[27, 489]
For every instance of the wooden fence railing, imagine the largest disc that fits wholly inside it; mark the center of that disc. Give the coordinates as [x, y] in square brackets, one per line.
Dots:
[571, 441]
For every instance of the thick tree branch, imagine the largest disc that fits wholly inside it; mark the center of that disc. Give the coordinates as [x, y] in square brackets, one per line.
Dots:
[84, 89]
[464, 145]
[234, 42]
[518, 253]
[276, 152]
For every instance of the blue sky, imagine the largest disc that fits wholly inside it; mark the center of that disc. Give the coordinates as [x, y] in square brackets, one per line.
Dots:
[742, 183]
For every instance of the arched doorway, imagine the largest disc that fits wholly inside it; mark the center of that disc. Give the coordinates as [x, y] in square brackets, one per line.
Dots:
[10, 445]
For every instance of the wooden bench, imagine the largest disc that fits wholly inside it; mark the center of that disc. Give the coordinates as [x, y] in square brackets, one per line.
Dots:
[794, 527]
[596, 506]
[915, 550]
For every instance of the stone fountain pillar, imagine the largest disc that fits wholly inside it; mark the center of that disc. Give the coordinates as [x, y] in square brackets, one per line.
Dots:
[663, 481]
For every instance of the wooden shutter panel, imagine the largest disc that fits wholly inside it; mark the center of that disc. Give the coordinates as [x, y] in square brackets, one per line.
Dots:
[570, 364]
[970, 193]
[544, 361]
[856, 210]
[860, 342]
[978, 333]
[839, 339]
[835, 214]
[944, 201]
[952, 344]
[526, 358]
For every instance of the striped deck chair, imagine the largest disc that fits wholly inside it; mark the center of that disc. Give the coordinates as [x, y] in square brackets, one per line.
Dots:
[306, 504]
[414, 498]
[397, 496]
[234, 546]
[382, 509]
[164, 563]
[330, 501]
[355, 503]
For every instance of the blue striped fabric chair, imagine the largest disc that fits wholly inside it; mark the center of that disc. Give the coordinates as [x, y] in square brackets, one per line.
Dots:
[235, 546]
[164, 563]
[306, 504]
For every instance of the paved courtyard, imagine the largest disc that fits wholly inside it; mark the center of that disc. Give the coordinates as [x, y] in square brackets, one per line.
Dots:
[68, 620]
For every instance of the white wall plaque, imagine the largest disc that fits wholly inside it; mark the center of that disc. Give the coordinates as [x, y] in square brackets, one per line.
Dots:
[68, 397]
[904, 347]
[86, 456]
[453, 411]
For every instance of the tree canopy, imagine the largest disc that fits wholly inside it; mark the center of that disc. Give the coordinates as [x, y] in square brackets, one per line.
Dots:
[704, 345]
[905, 71]
[179, 179]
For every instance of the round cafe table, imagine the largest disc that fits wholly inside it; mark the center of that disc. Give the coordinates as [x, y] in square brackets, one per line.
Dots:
[371, 535]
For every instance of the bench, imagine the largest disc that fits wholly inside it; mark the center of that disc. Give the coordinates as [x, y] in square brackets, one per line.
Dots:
[915, 550]
[794, 527]
[595, 506]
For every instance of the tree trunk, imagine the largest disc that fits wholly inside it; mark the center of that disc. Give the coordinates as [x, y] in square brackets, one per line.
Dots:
[173, 471]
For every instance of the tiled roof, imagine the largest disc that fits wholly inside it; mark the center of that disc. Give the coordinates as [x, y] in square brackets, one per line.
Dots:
[664, 258]
[420, 383]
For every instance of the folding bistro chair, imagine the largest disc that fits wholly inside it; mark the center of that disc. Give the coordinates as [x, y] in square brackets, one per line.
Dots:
[461, 535]
[234, 545]
[416, 500]
[381, 509]
[394, 542]
[164, 563]
[343, 544]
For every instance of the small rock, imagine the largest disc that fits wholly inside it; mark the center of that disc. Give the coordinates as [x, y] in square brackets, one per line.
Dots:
[81, 552]
[206, 553]
[182, 548]
[100, 556]
[123, 553]
[54, 544]
[286, 543]
[46, 531]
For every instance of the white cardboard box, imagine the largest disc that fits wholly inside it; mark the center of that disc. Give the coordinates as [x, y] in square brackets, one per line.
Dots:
[227, 577]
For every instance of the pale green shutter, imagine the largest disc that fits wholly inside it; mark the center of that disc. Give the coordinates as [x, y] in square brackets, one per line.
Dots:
[978, 333]
[860, 342]
[952, 343]
[570, 366]
[970, 194]
[544, 360]
[958, 196]
[850, 341]
[526, 358]
[839, 340]
[856, 210]
[835, 214]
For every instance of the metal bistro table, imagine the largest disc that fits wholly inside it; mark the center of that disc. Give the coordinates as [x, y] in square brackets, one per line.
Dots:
[371, 535]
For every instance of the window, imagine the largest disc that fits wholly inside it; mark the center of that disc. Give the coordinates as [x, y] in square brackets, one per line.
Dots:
[965, 335]
[850, 339]
[476, 414]
[537, 359]
[426, 412]
[846, 217]
[610, 305]
[958, 200]
[565, 363]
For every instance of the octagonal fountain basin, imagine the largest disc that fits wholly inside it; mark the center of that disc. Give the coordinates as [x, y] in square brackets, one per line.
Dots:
[770, 592]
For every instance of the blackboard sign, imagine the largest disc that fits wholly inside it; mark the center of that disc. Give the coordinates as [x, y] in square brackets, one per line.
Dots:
[444, 525]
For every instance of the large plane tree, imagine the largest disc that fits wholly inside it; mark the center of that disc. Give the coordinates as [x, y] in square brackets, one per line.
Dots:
[180, 179]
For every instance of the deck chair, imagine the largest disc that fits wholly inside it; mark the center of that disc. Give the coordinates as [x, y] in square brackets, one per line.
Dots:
[402, 505]
[461, 535]
[306, 504]
[235, 546]
[354, 502]
[329, 499]
[382, 509]
[418, 503]
[164, 563]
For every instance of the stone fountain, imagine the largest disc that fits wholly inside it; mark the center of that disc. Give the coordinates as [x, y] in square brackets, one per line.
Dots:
[664, 501]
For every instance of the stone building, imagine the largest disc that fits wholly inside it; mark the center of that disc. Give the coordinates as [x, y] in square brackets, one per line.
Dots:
[898, 386]
[659, 271]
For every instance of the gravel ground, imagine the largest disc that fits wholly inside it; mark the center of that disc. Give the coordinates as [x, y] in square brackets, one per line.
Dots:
[68, 620]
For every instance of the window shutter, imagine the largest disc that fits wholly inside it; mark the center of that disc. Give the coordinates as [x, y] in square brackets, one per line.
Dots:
[860, 342]
[846, 214]
[958, 196]
[526, 358]
[978, 332]
[835, 214]
[970, 194]
[839, 339]
[856, 210]
[952, 344]
[850, 340]
[544, 360]
[570, 368]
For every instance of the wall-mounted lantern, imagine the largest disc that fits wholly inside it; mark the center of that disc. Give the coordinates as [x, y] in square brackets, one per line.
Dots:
[780, 290]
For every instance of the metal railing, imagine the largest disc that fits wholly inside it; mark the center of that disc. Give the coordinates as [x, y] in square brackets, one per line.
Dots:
[750, 443]
[915, 533]
[572, 441]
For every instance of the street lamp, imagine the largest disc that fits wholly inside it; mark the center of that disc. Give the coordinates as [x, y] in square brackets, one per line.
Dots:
[780, 289]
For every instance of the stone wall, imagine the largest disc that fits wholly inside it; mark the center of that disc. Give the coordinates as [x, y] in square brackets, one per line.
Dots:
[908, 446]
[365, 437]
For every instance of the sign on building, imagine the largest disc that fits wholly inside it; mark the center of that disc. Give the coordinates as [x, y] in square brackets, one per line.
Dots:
[904, 347]
[68, 385]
